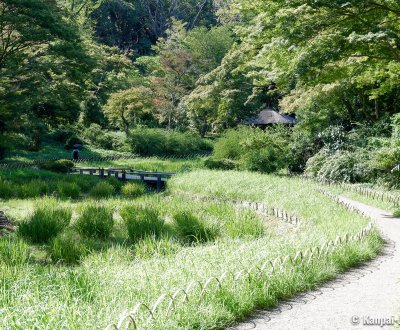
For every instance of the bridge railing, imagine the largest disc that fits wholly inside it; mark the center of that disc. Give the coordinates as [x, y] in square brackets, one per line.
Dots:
[126, 174]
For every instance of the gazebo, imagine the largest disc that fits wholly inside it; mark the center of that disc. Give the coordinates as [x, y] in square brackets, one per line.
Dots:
[269, 116]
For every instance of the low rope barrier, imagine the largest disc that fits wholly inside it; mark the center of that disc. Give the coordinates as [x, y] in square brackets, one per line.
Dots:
[196, 290]
[256, 206]
[364, 191]
[342, 203]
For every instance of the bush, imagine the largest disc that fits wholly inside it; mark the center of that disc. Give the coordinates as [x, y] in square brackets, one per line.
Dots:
[220, 164]
[68, 190]
[160, 142]
[228, 146]
[142, 223]
[102, 190]
[59, 166]
[396, 213]
[101, 138]
[193, 230]
[342, 165]
[13, 251]
[252, 148]
[63, 133]
[71, 141]
[267, 160]
[95, 221]
[47, 221]
[133, 189]
[67, 247]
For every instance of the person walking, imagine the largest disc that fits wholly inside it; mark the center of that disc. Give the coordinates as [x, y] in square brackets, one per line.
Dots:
[75, 154]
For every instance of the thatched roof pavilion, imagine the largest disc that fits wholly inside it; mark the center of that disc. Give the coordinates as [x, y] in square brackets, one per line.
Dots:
[269, 116]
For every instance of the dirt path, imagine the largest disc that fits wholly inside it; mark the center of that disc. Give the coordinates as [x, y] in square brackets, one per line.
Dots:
[369, 294]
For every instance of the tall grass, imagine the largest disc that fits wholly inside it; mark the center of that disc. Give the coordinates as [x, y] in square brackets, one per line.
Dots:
[133, 189]
[102, 190]
[46, 222]
[68, 190]
[68, 247]
[95, 221]
[192, 229]
[13, 251]
[106, 283]
[142, 222]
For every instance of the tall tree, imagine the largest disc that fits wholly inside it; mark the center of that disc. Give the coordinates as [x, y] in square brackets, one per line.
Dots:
[43, 64]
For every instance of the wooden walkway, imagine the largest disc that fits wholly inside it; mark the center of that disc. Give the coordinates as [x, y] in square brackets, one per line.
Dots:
[157, 178]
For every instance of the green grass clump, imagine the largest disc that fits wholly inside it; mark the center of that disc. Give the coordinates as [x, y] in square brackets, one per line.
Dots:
[32, 189]
[142, 222]
[95, 221]
[396, 213]
[68, 190]
[47, 221]
[248, 225]
[150, 247]
[191, 229]
[13, 251]
[133, 189]
[6, 189]
[114, 182]
[67, 247]
[102, 190]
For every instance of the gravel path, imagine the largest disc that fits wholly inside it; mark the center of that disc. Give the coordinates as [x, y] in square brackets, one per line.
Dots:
[369, 294]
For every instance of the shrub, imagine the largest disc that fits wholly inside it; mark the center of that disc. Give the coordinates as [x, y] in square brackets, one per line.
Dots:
[160, 142]
[252, 148]
[101, 138]
[7, 189]
[228, 146]
[142, 223]
[67, 247]
[13, 251]
[47, 221]
[220, 164]
[59, 166]
[63, 133]
[342, 165]
[193, 230]
[68, 190]
[102, 190]
[133, 189]
[95, 221]
[396, 213]
[71, 141]
[267, 160]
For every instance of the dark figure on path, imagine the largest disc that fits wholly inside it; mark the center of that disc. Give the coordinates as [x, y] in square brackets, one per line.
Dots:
[75, 154]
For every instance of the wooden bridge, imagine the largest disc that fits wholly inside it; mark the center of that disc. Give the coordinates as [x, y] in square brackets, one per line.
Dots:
[150, 177]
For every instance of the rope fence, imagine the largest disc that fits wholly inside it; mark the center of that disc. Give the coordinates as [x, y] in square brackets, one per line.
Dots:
[143, 314]
[364, 191]
[256, 206]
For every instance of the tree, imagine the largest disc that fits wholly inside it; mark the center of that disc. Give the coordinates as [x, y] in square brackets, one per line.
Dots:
[43, 64]
[128, 107]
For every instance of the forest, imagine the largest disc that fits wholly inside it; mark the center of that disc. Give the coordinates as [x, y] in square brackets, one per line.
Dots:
[120, 74]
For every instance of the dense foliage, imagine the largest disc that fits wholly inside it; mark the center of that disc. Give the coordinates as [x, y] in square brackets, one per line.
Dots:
[83, 71]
